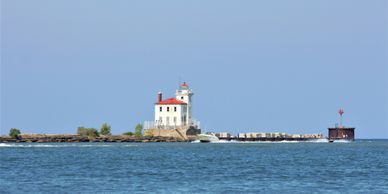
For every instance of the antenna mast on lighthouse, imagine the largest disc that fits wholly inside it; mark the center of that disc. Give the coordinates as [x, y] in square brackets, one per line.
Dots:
[341, 112]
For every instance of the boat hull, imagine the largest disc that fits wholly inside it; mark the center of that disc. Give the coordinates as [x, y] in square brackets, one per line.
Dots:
[204, 138]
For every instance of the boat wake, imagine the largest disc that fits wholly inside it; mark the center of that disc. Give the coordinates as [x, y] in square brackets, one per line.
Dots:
[319, 141]
[342, 141]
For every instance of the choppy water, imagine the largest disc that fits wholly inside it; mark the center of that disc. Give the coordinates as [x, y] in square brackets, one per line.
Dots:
[358, 167]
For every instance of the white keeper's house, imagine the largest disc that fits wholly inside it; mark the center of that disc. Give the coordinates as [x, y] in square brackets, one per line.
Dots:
[173, 115]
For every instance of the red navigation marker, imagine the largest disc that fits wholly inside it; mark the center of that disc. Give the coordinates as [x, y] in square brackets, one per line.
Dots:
[341, 111]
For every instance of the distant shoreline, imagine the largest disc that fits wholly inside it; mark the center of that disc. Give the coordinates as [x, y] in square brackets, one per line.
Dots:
[63, 138]
[57, 138]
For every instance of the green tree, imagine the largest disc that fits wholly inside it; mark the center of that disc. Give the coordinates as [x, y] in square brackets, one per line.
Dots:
[105, 129]
[129, 133]
[89, 132]
[139, 130]
[13, 132]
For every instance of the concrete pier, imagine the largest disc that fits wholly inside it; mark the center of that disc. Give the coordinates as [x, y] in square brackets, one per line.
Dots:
[269, 139]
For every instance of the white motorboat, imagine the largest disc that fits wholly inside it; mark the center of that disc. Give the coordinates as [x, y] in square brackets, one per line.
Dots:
[206, 138]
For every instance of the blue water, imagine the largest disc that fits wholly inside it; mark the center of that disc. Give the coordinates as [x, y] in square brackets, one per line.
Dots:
[358, 167]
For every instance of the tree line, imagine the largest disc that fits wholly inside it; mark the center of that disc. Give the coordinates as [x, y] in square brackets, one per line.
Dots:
[105, 130]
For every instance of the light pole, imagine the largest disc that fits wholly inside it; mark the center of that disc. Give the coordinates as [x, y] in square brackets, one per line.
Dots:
[341, 112]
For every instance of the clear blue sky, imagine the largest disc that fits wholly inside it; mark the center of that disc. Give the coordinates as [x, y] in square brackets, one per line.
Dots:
[254, 65]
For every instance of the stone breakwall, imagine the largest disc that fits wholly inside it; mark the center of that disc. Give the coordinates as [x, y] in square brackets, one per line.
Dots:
[183, 134]
[44, 138]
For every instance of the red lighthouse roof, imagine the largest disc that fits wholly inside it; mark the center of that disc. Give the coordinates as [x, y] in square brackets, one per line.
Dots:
[171, 101]
[184, 84]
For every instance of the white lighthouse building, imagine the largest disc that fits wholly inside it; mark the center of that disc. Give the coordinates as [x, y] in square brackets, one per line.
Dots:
[175, 112]
[173, 116]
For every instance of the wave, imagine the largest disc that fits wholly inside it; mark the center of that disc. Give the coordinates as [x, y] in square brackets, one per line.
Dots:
[16, 145]
[342, 141]
[319, 141]
[5, 145]
[26, 145]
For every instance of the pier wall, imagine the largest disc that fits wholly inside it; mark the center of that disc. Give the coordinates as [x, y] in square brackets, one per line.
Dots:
[185, 133]
[269, 139]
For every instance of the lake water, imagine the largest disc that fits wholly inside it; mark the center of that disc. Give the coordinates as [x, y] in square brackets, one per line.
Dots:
[358, 167]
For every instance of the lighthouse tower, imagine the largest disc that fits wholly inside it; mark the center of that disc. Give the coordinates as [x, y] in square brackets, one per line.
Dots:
[185, 94]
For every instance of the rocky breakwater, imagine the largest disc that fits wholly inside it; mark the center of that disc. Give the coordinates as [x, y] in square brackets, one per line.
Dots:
[49, 138]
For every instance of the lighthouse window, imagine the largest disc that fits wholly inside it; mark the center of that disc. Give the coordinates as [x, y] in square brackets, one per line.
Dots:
[168, 109]
[174, 108]
[160, 109]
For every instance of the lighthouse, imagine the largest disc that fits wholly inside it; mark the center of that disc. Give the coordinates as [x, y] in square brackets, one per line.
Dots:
[185, 94]
[174, 116]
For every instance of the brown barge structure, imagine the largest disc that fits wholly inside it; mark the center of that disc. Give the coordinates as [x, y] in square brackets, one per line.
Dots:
[341, 132]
